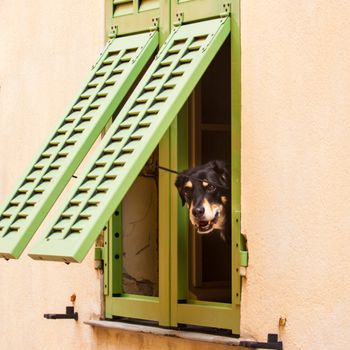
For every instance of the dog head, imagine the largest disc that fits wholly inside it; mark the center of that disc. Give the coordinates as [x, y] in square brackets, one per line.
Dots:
[206, 191]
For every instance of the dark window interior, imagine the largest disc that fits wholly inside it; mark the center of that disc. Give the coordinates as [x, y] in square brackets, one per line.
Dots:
[209, 257]
[210, 138]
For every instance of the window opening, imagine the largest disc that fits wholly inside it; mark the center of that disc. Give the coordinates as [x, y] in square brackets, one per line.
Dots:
[210, 138]
[139, 226]
[140, 234]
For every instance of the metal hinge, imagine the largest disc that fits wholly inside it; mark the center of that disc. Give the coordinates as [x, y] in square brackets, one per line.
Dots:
[101, 258]
[70, 314]
[112, 35]
[244, 258]
[155, 24]
[211, 37]
[141, 47]
[243, 263]
[113, 32]
[98, 253]
[226, 10]
[101, 250]
[179, 19]
[168, 39]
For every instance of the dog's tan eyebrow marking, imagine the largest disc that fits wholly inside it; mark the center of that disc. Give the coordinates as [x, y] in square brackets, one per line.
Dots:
[189, 184]
[205, 183]
[223, 199]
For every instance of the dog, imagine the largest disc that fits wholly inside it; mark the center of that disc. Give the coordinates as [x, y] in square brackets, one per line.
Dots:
[206, 189]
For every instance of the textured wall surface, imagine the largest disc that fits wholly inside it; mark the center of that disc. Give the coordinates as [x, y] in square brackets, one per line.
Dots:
[140, 238]
[295, 170]
[47, 48]
[295, 165]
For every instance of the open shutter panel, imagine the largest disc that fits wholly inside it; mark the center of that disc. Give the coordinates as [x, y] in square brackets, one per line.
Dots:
[109, 81]
[131, 139]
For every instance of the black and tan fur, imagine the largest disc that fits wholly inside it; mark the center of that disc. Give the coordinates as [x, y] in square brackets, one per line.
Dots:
[206, 190]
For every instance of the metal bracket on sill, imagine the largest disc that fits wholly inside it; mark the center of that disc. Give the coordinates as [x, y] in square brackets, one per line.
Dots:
[272, 343]
[70, 314]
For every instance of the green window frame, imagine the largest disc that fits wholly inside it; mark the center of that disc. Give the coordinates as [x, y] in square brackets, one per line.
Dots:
[162, 92]
[173, 247]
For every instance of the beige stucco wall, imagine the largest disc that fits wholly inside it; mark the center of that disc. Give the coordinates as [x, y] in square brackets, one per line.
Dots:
[295, 161]
[46, 48]
[295, 170]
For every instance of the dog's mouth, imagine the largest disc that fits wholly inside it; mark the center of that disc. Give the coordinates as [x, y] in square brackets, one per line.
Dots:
[204, 227]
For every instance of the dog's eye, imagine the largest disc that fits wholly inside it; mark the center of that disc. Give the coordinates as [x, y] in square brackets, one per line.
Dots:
[188, 191]
[210, 188]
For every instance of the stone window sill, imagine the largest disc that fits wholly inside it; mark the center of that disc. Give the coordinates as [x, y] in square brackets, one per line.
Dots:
[218, 339]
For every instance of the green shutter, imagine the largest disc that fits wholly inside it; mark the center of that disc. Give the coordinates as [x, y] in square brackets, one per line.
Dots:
[109, 81]
[133, 136]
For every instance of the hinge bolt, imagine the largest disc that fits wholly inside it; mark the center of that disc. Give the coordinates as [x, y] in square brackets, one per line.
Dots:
[179, 18]
[227, 10]
[113, 32]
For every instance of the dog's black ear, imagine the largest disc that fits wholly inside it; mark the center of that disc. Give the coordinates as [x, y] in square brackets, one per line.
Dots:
[222, 169]
[179, 183]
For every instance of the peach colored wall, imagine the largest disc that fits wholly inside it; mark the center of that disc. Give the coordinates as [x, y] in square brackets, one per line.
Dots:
[295, 170]
[46, 48]
[295, 160]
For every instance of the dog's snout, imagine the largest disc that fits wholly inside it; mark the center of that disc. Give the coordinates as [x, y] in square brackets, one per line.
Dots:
[198, 211]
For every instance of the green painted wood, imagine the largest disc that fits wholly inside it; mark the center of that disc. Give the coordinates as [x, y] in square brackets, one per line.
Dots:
[164, 228]
[197, 10]
[107, 84]
[132, 16]
[141, 308]
[218, 315]
[115, 249]
[135, 306]
[207, 313]
[244, 258]
[131, 139]
[179, 215]
[236, 163]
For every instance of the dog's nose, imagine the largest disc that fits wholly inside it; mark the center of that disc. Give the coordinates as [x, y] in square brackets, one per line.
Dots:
[198, 212]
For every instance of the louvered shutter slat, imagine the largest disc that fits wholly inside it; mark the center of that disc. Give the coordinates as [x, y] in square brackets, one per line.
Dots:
[138, 128]
[73, 138]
